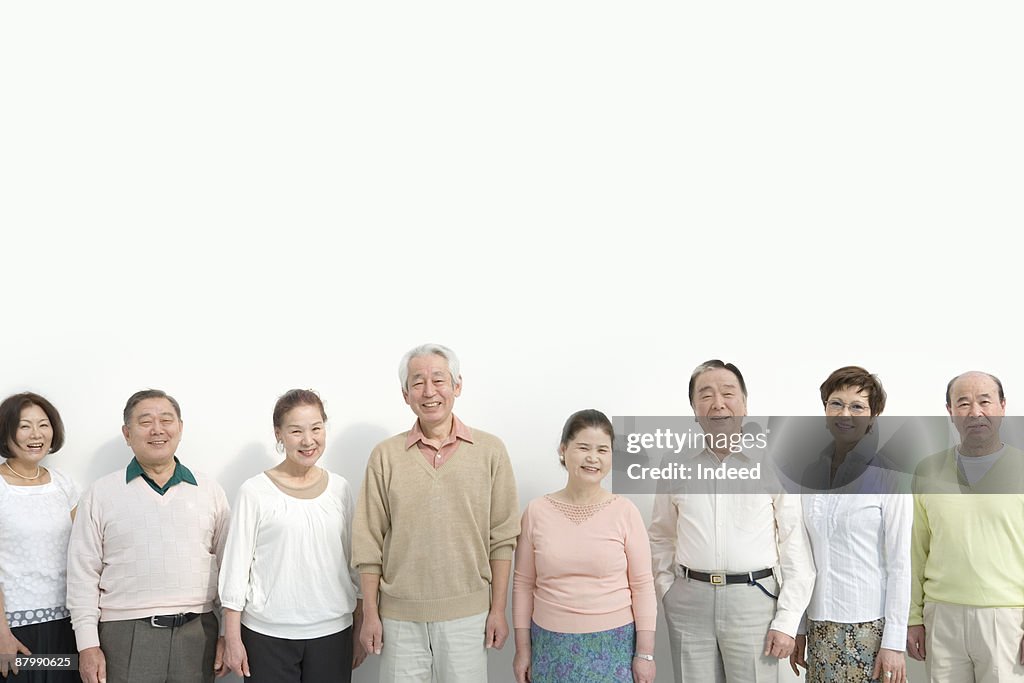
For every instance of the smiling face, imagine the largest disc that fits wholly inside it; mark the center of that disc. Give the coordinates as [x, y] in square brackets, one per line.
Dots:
[588, 456]
[153, 431]
[33, 437]
[848, 414]
[718, 402]
[976, 411]
[431, 393]
[303, 434]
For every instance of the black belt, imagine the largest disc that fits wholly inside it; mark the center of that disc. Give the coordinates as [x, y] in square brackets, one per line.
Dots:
[170, 620]
[725, 579]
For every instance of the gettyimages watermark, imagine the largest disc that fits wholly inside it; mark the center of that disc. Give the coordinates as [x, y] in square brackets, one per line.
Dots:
[805, 454]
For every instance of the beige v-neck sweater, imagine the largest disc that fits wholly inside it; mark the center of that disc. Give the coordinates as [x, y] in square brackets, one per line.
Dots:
[431, 533]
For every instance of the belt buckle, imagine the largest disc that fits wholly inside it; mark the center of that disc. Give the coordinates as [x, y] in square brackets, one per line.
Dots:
[160, 620]
[717, 579]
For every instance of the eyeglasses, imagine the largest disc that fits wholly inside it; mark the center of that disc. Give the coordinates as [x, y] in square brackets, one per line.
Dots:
[835, 407]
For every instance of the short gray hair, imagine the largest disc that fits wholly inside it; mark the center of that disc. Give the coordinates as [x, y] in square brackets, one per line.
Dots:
[427, 350]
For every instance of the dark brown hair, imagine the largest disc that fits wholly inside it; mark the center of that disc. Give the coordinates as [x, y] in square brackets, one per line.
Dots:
[859, 378]
[10, 417]
[294, 399]
[579, 421]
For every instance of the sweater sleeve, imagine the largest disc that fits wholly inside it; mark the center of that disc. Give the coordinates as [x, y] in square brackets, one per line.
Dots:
[920, 542]
[220, 537]
[239, 549]
[639, 573]
[524, 580]
[504, 509]
[372, 519]
[85, 564]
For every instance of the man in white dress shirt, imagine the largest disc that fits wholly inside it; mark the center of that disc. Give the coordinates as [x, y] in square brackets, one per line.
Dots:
[720, 559]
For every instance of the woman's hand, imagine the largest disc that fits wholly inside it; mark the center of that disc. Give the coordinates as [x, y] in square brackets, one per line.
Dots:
[359, 652]
[235, 657]
[10, 647]
[890, 667]
[799, 656]
[643, 670]
[521, 665]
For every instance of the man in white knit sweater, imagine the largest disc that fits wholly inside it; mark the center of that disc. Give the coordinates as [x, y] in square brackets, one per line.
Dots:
[144, 557]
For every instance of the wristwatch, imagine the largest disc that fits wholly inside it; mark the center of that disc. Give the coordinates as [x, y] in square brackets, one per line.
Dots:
[649, 658]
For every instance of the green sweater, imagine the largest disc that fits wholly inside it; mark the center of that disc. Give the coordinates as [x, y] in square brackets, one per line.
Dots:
[967, 548]
[431, 533]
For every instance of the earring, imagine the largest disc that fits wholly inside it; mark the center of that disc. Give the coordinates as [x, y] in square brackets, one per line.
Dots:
[279, 447]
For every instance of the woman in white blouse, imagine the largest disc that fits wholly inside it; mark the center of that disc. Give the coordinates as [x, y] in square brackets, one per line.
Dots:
[290, 597]
[36, 507]
[856, 622]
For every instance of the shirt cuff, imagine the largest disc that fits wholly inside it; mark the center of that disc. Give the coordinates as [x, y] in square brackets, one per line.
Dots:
[370, 569]
[894, 639]
[786, 622]
[86, 636]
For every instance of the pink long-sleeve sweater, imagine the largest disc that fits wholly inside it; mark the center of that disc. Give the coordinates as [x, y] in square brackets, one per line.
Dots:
[583, 569]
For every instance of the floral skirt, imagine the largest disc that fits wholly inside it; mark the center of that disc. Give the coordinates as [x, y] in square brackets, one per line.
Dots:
[602, 657]
[842, 653]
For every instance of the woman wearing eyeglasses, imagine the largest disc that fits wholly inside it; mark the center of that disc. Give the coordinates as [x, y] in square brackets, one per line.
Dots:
[859, 528]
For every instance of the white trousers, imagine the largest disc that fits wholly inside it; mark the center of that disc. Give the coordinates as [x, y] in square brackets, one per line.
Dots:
[439, 651]
[966, 644]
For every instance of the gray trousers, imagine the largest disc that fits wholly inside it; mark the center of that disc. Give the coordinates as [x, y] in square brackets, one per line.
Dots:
[137, 652]
[718, 633]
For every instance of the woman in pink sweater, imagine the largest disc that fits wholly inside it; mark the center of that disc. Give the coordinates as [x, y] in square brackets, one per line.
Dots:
[583, 601]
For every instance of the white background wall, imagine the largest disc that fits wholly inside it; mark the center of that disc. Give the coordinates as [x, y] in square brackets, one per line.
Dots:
[585, 200]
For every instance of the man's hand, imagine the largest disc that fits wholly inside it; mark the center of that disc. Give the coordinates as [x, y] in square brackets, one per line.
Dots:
[799, 656]
[497, 629]
[778, 644]
[890, 667]
[218, 659]
[915, 642]
[372, 633]
[92, 665]
[10, 647]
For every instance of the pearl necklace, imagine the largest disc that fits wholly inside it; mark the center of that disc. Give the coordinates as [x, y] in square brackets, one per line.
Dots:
[39, 471]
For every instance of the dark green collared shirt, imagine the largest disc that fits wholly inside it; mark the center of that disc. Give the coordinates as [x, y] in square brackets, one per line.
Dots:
[181, 474]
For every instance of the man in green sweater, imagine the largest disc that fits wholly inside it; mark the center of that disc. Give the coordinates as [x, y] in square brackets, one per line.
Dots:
[433, 536]
[967, 591]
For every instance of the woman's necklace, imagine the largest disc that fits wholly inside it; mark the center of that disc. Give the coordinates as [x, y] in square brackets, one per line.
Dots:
[39, 471]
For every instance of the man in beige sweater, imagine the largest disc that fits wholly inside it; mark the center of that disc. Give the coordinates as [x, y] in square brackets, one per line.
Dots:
[144, 557]
[433, 535]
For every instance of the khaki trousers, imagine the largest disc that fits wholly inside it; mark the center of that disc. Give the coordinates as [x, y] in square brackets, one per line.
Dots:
[966, 644]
